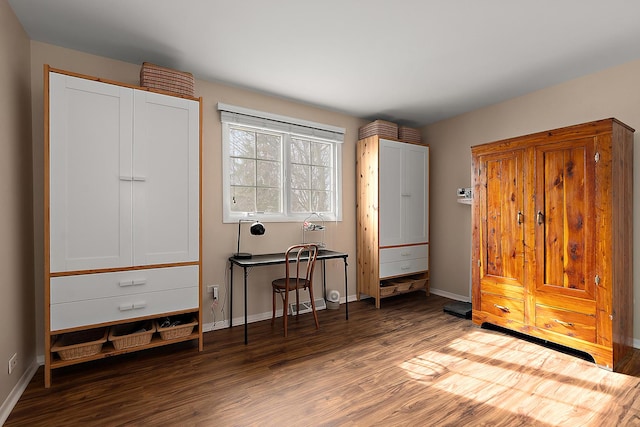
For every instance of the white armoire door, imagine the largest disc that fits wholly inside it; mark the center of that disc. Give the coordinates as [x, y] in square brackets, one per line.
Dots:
[166, 179]
[90, 150]
[390, 192]
[403, 210]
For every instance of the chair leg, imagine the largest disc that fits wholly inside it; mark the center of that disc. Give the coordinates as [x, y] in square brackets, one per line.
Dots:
[297, 303]
[285, 311]
[313, 307]
[273, 314]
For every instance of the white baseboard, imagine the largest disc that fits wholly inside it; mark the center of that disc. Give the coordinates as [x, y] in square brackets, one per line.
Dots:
[450, 295]
[14, 396]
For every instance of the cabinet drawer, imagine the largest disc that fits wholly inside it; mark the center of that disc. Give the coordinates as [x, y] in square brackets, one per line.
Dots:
[401, 268]
[569, 323]
[104, 285]
[96, 311]
[507, 308]
[404, 253]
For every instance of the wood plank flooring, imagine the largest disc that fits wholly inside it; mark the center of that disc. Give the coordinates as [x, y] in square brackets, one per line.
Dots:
[407, 364]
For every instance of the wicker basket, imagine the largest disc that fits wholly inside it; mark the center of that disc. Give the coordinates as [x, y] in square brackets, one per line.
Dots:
[403, 284]
[381, 128]
[407, 134]
[131, 334]
[75, 345]
[387, 289]
[157, 77]
[418, 284]
[183, 329]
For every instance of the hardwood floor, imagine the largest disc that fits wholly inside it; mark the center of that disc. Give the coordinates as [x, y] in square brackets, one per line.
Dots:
[405, 364]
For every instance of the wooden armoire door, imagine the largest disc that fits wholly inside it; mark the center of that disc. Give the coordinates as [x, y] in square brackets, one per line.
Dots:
[565, 251]
[499, 184]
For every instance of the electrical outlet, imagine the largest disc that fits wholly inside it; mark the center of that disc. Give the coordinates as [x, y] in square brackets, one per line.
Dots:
[213, 291]
[13, 361]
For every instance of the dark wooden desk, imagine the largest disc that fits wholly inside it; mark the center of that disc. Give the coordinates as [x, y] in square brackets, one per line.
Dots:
[273, 259]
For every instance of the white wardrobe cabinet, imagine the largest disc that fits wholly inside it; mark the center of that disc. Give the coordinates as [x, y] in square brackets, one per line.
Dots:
[393, 217]
[122, 196]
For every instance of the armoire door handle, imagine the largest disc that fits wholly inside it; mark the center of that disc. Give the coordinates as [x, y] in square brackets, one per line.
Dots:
[519, 218]
[502, 308]
[540, 217]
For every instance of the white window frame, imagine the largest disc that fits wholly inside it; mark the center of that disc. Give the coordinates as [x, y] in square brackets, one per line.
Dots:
[239, 117]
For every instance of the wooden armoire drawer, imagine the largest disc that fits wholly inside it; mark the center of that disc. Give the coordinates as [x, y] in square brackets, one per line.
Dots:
[569, 323]
[507, 308]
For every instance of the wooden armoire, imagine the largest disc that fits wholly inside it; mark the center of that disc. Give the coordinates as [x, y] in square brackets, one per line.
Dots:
[552, 237]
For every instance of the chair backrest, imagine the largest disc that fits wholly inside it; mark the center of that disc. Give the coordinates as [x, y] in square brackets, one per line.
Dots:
[301, 262]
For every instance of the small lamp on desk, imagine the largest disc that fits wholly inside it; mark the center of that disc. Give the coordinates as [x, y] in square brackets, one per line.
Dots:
[257, 229]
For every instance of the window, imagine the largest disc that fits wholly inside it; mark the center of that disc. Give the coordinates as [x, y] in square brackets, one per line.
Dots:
[282, 168]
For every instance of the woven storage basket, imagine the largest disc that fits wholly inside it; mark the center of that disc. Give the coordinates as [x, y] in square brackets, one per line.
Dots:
[403, 284]
[418, 284]
[381, 128]
[182, 330]
[387, 289]
[131, 334]
[409, 134]
[75, 345]
[157, 77]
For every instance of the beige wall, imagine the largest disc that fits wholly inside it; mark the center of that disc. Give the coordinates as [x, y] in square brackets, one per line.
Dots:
[219, 240]
[16, 235]
[611, 93]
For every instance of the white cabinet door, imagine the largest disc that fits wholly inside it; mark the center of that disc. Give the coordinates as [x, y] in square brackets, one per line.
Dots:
[166, 179]
[390, 192]
[415, 198]
[90, 150]
[403, 210]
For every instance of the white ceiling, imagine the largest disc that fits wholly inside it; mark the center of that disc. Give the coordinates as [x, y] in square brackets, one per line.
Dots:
[410, 61]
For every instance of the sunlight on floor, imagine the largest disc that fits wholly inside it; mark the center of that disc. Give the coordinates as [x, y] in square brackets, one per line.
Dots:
[511, 375]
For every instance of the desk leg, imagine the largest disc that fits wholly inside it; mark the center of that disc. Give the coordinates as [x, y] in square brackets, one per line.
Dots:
[346, 290]
[246, 339]
[231, 294]
[324, 280]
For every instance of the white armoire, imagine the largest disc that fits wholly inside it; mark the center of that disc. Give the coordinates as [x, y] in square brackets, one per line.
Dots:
[122, 208]
[393, 217]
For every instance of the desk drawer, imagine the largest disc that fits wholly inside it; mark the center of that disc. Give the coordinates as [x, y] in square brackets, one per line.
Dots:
[104, 285]
[96, 311]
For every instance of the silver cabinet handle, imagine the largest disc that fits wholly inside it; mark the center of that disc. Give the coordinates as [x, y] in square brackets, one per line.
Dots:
[540, 217]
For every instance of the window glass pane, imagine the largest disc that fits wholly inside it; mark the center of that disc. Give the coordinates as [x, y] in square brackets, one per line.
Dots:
[242, 143]
[322, 201]
[320, 178]
[243, 171]
[300, 176]
[269, 174]
[243, 199]
[269, 200]
[301, 201]
[321, 154]
[300, 151]
[269, 147]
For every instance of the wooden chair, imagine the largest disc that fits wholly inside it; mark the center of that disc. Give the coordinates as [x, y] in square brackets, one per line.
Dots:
[300, 263]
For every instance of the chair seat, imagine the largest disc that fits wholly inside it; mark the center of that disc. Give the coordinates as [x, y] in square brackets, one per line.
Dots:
[281, 284]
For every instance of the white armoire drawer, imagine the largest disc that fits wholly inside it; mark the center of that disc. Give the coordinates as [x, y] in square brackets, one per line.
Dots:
[402, 253]
[103, 285]
[96, 311]
[400, 268]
